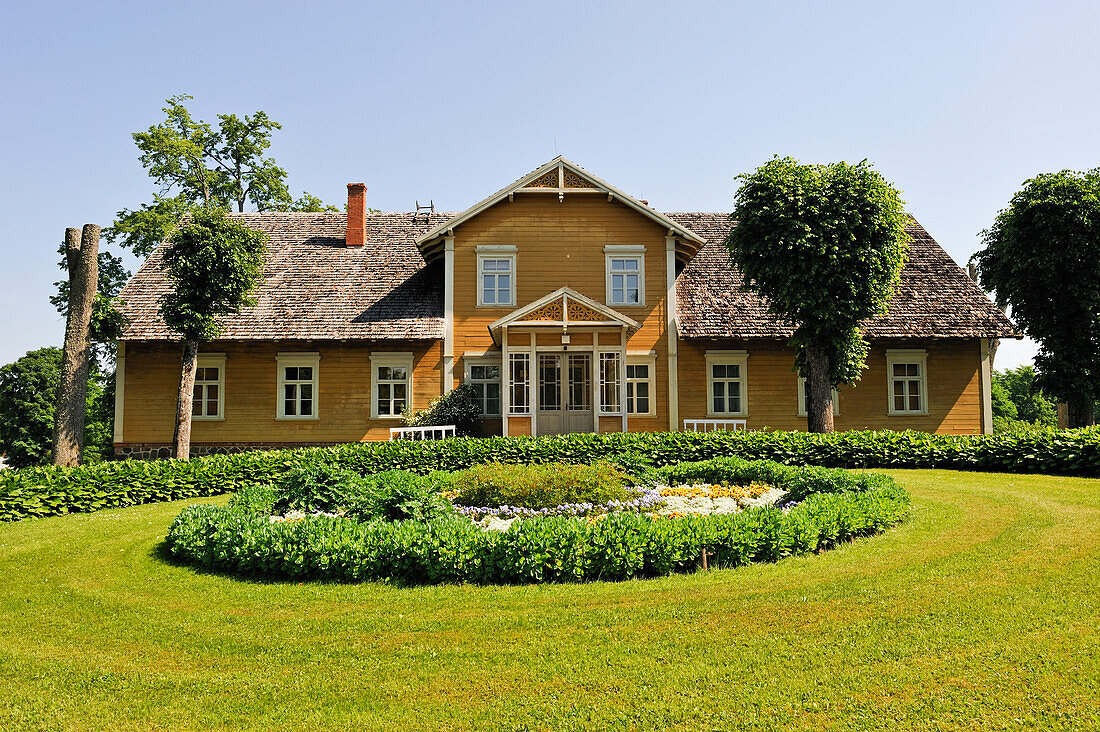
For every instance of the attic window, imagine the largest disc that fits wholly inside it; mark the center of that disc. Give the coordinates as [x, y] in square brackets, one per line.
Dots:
[496, 276]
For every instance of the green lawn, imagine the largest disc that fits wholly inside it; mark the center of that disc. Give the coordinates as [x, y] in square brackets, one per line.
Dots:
[981, 612]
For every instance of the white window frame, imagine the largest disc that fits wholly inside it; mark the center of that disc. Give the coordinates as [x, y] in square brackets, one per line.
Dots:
[604, 409]
[624, 251]
[400, 359]
[802, 398]
[212, 360]
[515, 409]
[285, 360]
[650, 361]
[728, 358]
[918, 356]
[470, 362]
[496, 251]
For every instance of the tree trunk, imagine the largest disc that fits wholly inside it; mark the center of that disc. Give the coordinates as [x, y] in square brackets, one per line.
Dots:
[1080, 412]
[181, 441]
[82, 258]
[819, 404]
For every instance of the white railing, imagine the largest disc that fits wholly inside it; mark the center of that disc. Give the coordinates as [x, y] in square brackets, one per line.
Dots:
[422, 433]
[710, 425]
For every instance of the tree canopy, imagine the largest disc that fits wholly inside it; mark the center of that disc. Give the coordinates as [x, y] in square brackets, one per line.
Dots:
[824, 246]
[1042, 259]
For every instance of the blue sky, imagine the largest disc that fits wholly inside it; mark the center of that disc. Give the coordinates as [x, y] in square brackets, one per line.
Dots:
[956, 103]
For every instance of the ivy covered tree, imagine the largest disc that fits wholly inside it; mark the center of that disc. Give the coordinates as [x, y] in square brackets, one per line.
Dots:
[215, 265]
[824, 246]
[1042, 260]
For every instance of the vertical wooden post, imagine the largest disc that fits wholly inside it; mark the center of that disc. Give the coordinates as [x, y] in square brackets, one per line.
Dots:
[82, 259]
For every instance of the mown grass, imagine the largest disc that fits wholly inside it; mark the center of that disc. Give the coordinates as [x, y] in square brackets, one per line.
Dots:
[981, 612]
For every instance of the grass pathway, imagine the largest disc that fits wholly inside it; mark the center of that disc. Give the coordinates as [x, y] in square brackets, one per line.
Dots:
[981, 612]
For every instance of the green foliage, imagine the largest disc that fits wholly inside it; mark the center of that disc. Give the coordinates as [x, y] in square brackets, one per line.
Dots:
[316, 487]
[48, 491]
[143, 229]
[540, 486]
[824, 246]
[1028, 401]
[799, 482]
[309, 203]
[1001, 398]
[1042, 259]
[459, 407]
[398, 495]
[106, 323]
[553, 549]
[28, 398]
[215, 265]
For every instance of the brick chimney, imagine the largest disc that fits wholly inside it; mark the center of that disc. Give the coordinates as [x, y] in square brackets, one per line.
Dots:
[357, 214]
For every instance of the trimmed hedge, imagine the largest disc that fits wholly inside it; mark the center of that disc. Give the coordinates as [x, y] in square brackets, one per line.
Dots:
[553, 549]
[48, 491]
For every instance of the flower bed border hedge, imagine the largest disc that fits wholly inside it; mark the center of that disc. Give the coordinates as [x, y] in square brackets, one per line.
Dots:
[836, 506]
[46, 491]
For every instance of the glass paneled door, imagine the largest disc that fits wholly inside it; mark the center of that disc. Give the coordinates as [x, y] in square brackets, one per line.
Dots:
[565, 393]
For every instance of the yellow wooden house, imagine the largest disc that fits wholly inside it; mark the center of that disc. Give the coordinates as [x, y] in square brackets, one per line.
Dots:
[572, 306]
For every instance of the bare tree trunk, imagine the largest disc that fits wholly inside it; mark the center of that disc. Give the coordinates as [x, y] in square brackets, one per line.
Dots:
[82, 258]
[181, 441]
[1080, 413]
[819, 405]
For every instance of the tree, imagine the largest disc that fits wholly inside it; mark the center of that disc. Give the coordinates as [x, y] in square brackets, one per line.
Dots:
[82, 254]
[1042, 260]
[824, 246]
[1028, 402]
[214, 264]
[28, 398]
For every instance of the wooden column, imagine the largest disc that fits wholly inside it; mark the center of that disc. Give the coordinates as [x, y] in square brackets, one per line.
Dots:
[532, 386]
[673, 335]
[448, 314]
[505, 382]
[622, 376]
[597, 376]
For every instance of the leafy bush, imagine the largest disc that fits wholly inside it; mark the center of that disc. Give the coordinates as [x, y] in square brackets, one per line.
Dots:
[554, 549]
[317, 487]
[458, 407]
[47, 491]
[398, 495]
[799, 482]
[539, 486]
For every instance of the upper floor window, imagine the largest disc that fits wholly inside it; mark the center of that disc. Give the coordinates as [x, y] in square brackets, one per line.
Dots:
[208, 398]
[726, 383]
[297, 396]
[484, 377]
[496, 276]
[392, 377]
[907, 380]
[625, 269]
[804, 397]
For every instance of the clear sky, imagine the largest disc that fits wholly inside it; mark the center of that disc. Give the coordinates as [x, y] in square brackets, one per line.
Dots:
[956, 103]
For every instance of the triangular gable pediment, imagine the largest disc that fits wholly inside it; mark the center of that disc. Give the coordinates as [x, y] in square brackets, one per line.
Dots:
[561, 177]
[564, 307]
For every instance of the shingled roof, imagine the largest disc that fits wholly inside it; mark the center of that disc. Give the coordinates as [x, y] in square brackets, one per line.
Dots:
[316, 288]
[936, 298]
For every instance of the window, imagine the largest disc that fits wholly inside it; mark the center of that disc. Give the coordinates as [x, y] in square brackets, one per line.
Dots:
[496, 276]
[905, 370]
[207, 398]
[804, 397]
[609, 383]
[519, 375]
[639, 386]
[484, 377]
[726, 392]
[625, 274]
[298, 385]
[392, 377]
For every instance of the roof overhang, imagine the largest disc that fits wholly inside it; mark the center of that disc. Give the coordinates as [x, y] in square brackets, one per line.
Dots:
[560, 177]
[563, 308]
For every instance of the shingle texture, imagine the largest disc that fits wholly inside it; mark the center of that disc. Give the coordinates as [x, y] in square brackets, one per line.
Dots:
[936, 298]
[317, 288]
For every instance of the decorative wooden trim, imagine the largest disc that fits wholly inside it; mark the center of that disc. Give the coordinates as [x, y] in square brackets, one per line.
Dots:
[120, 390]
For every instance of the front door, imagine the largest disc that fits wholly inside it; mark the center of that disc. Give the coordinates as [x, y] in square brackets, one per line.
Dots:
[565, 393]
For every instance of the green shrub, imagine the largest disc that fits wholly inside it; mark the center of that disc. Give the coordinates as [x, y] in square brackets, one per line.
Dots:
[799, 482]
[539, 486]
[317, 487]
[47, 491]
[398, 495]
[459, 407]
[552, 549]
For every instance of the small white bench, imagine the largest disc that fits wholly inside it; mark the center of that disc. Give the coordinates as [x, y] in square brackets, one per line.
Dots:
[711, 425]
[422, 433]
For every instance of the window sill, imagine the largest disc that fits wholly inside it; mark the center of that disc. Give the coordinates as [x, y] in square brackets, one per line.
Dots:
[208, 419]
[494, 307]
[297, 419]
[907, 414]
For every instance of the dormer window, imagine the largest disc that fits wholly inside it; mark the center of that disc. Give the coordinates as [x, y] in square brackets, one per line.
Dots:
[496, 276]
[625, 266]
